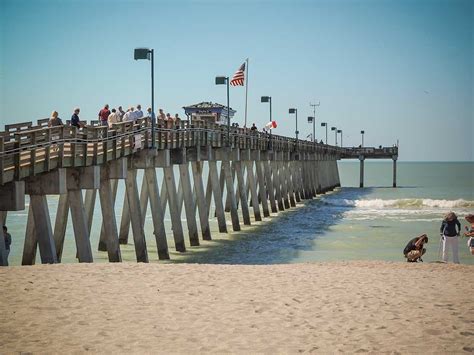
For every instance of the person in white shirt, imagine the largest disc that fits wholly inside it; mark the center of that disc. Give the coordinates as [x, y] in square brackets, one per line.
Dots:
[129, 115]
[139, 112]
[114, 117]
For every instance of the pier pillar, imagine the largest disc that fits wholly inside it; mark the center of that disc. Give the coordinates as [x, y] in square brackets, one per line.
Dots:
[361, 158]
[157, 214]
[253, 190]
[189, 204]
[213, 182]
[277, 185]
[201, 199]
[136, 217]
[174, 209]
[242, 192]
[394, 171]
[269, 184]
[3, 247]
[53, 183]
[229, 182]
[261, 188]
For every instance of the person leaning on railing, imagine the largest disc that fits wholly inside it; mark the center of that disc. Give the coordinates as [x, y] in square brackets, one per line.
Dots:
[54, 120]
[75, 121]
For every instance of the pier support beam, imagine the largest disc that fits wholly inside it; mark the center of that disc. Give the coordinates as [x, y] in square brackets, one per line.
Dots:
[361, 158]
[394, 171]
[242, 192]
[174, 209]
[189, 204]
[201, 199]
[213, 182]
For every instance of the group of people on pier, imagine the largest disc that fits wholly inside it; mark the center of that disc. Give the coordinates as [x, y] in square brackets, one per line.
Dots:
[109, 117]
[450, 230]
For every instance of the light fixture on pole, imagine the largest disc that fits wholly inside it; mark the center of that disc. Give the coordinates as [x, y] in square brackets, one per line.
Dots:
[335, 133]
[146, 53]
[324, 124]
[221, 80]
[269, 100]
[295, 111]
[314, 118]
[340, 131]
[362, 133]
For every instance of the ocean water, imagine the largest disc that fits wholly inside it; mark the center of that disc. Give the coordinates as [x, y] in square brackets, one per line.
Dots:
[372, 223]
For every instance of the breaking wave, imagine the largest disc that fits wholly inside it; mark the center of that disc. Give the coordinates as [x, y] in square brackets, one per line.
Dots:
[405, 203]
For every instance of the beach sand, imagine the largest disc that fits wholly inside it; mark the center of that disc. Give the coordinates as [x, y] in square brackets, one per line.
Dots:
[353, 307]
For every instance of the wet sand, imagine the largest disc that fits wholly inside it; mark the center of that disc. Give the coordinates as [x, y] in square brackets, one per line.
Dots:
[355, 307]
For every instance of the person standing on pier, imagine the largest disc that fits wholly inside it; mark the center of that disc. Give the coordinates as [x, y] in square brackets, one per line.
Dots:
[138, 112]
[449, 236]
[129, 115]
[54, 120]
[161, 115]
[8, 241]
[104, 115]
[113, 118]
[75, 121]
[121, 113]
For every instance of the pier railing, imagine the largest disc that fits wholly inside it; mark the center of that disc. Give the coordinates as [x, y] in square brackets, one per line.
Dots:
[28, 150]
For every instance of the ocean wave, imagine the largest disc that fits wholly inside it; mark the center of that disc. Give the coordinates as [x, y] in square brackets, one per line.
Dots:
[399, 203]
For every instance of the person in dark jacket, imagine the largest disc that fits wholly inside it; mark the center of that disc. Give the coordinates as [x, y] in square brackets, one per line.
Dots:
[414, 249]
[449, 234]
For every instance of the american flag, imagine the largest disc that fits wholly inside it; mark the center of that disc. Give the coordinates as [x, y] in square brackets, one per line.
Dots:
[239, 77]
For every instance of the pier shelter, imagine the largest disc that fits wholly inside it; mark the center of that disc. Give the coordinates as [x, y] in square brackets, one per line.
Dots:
[209, 112]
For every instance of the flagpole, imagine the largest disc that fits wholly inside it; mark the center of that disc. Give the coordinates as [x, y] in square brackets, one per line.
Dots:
[246, 90]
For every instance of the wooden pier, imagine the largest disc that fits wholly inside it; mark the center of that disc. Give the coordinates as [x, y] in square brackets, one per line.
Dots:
[261, 173]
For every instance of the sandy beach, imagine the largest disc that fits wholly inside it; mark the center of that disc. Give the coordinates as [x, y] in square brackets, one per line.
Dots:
[354, 307]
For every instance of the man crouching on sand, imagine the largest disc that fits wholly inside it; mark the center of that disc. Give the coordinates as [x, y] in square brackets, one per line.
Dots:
[414, 249]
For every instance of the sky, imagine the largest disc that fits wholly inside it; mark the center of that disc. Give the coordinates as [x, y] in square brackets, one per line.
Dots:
[399, 70]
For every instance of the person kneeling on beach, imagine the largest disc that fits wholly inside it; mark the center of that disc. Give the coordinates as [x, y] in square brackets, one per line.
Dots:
[414, 249]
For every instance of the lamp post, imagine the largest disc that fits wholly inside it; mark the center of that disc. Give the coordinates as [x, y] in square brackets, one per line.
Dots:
[362, 134]
[340, 131]
[220, 80]
[146, 53]
[335, 133]
[295, 111]
[324, 124]
[269, 100]
[314, 118]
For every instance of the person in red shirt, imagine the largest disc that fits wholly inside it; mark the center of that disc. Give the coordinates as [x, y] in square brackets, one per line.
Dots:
[104, 115]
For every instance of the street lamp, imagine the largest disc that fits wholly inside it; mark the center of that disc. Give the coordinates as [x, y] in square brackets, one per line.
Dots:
[335, 133]
[220, 80]
[324, 124]
[314, 118]
[146, 53]
[340, 131]
[362, 133]
[269, 100]
[295, 111]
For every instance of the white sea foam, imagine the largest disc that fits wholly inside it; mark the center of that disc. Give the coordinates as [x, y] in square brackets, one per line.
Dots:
[405, 203]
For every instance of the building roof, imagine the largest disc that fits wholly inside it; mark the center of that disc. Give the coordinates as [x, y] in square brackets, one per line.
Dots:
[208, 106]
